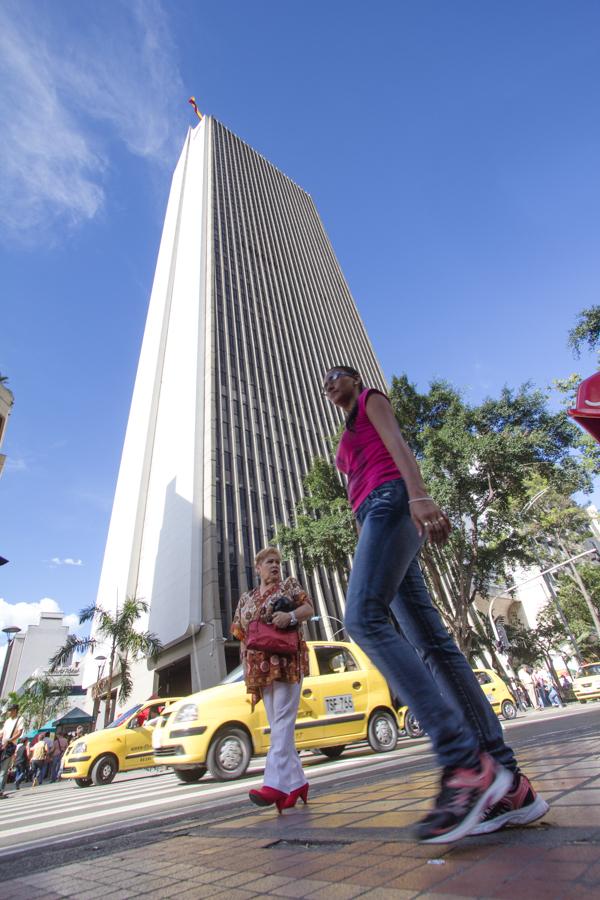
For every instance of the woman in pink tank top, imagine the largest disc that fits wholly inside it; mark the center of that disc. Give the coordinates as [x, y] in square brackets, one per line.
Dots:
[482, 788]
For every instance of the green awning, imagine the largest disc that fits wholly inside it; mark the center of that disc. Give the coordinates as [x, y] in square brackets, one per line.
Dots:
[75, 716]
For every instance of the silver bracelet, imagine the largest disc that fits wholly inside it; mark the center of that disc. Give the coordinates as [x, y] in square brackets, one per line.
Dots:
[418, 499]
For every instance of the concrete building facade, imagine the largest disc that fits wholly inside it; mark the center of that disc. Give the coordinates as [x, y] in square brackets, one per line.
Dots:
[248, 309]
[29, 651]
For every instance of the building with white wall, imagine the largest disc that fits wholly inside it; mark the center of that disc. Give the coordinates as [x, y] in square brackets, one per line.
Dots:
[248, 309]
[30, 651]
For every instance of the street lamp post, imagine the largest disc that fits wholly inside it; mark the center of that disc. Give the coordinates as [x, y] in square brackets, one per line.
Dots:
[10, 632]
[101, 660]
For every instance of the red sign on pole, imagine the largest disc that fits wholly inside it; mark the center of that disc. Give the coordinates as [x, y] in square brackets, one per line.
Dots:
[587, 406]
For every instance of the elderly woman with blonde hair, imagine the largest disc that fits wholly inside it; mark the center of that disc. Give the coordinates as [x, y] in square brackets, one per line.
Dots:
[268, 622]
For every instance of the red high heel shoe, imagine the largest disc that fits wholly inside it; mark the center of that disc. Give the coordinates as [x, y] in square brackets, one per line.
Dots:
[267, 796]
[292, 798]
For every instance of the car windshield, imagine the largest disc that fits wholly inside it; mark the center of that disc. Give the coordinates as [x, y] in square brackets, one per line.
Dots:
[586, 671]
[236, 674]
[124, 716]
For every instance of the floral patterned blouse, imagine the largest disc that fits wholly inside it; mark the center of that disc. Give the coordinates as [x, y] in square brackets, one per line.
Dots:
[262, 668]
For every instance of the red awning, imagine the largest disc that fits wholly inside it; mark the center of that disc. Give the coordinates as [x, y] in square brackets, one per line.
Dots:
[587, 407]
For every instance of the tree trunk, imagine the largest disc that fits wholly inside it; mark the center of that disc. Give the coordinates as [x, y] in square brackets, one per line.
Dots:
[555, 677]
[586, 597]
[108, 706]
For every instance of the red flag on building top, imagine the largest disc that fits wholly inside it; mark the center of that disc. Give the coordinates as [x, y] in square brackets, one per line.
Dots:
[192, 101]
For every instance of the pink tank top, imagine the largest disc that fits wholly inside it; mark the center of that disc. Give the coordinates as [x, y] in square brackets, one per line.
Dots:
[362, 456]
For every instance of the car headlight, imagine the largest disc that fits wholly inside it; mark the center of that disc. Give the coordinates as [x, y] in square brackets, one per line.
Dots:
[80, 747]
[187, 713]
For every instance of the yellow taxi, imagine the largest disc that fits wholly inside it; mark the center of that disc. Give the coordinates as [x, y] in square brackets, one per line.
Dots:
[344, 700]
[497, 692]
[126, 744]
[586, 684]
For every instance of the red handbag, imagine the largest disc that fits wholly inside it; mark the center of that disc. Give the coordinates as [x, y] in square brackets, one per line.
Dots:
[271, 639]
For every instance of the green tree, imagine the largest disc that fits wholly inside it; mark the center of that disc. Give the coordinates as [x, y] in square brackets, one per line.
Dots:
[323, 532]
[530, 646]
[41, 698]
[560, 529]
[477, 461]
[586, 331]
[119, 631]
[576, 609]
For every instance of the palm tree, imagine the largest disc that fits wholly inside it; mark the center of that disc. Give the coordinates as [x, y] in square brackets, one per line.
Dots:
[40, 698]
[45, 698]
[118, 630]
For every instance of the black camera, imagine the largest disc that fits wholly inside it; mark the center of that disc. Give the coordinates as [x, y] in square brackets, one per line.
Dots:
[282, 604]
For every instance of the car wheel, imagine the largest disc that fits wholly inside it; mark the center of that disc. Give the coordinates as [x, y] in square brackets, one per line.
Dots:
[412, 726]
[83, 782]
[104, 769]
[509, 710]
[190, 776]
[382, 733]
[229, 754]
[332, 752]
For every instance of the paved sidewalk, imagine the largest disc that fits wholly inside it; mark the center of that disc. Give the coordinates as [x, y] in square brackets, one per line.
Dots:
[352, 841]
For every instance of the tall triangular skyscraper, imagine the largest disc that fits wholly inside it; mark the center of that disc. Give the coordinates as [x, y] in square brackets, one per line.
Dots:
[249, 308]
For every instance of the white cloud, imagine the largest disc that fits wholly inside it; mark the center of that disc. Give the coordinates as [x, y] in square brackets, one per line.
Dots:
[72, 84]
[24, 614]
[68, 561]
[72, 622]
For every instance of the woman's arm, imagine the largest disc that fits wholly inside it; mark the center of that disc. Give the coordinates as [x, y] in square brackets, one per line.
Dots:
[425, 513]
[303, 611]
[283, 619]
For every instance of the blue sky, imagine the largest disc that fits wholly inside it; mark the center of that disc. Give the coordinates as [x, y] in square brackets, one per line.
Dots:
[452, 151]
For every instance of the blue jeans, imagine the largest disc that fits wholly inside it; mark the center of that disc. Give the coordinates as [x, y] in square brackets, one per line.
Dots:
[422, 665]
[20, 772]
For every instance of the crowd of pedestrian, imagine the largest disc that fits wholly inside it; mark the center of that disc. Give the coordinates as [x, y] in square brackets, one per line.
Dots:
[536, 688]
[35, 759]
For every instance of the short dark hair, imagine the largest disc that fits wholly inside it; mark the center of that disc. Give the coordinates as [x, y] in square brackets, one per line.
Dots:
[13, 706]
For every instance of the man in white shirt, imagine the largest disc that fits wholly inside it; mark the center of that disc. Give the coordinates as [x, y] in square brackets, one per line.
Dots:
[11, 732]
[527, 680]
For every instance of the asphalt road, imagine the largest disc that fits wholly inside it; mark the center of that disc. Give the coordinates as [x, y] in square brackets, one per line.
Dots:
[62, 814]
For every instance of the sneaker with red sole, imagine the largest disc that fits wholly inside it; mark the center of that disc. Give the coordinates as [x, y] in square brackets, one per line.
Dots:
[465, 796]
[519, 806]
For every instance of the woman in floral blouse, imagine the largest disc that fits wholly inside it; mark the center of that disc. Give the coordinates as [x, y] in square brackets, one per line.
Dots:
[275, 678]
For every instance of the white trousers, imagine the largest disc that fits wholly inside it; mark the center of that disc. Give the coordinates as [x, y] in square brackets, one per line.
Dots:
[283, 769]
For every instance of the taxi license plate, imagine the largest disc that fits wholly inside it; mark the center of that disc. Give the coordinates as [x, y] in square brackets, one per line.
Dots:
[342, 703]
